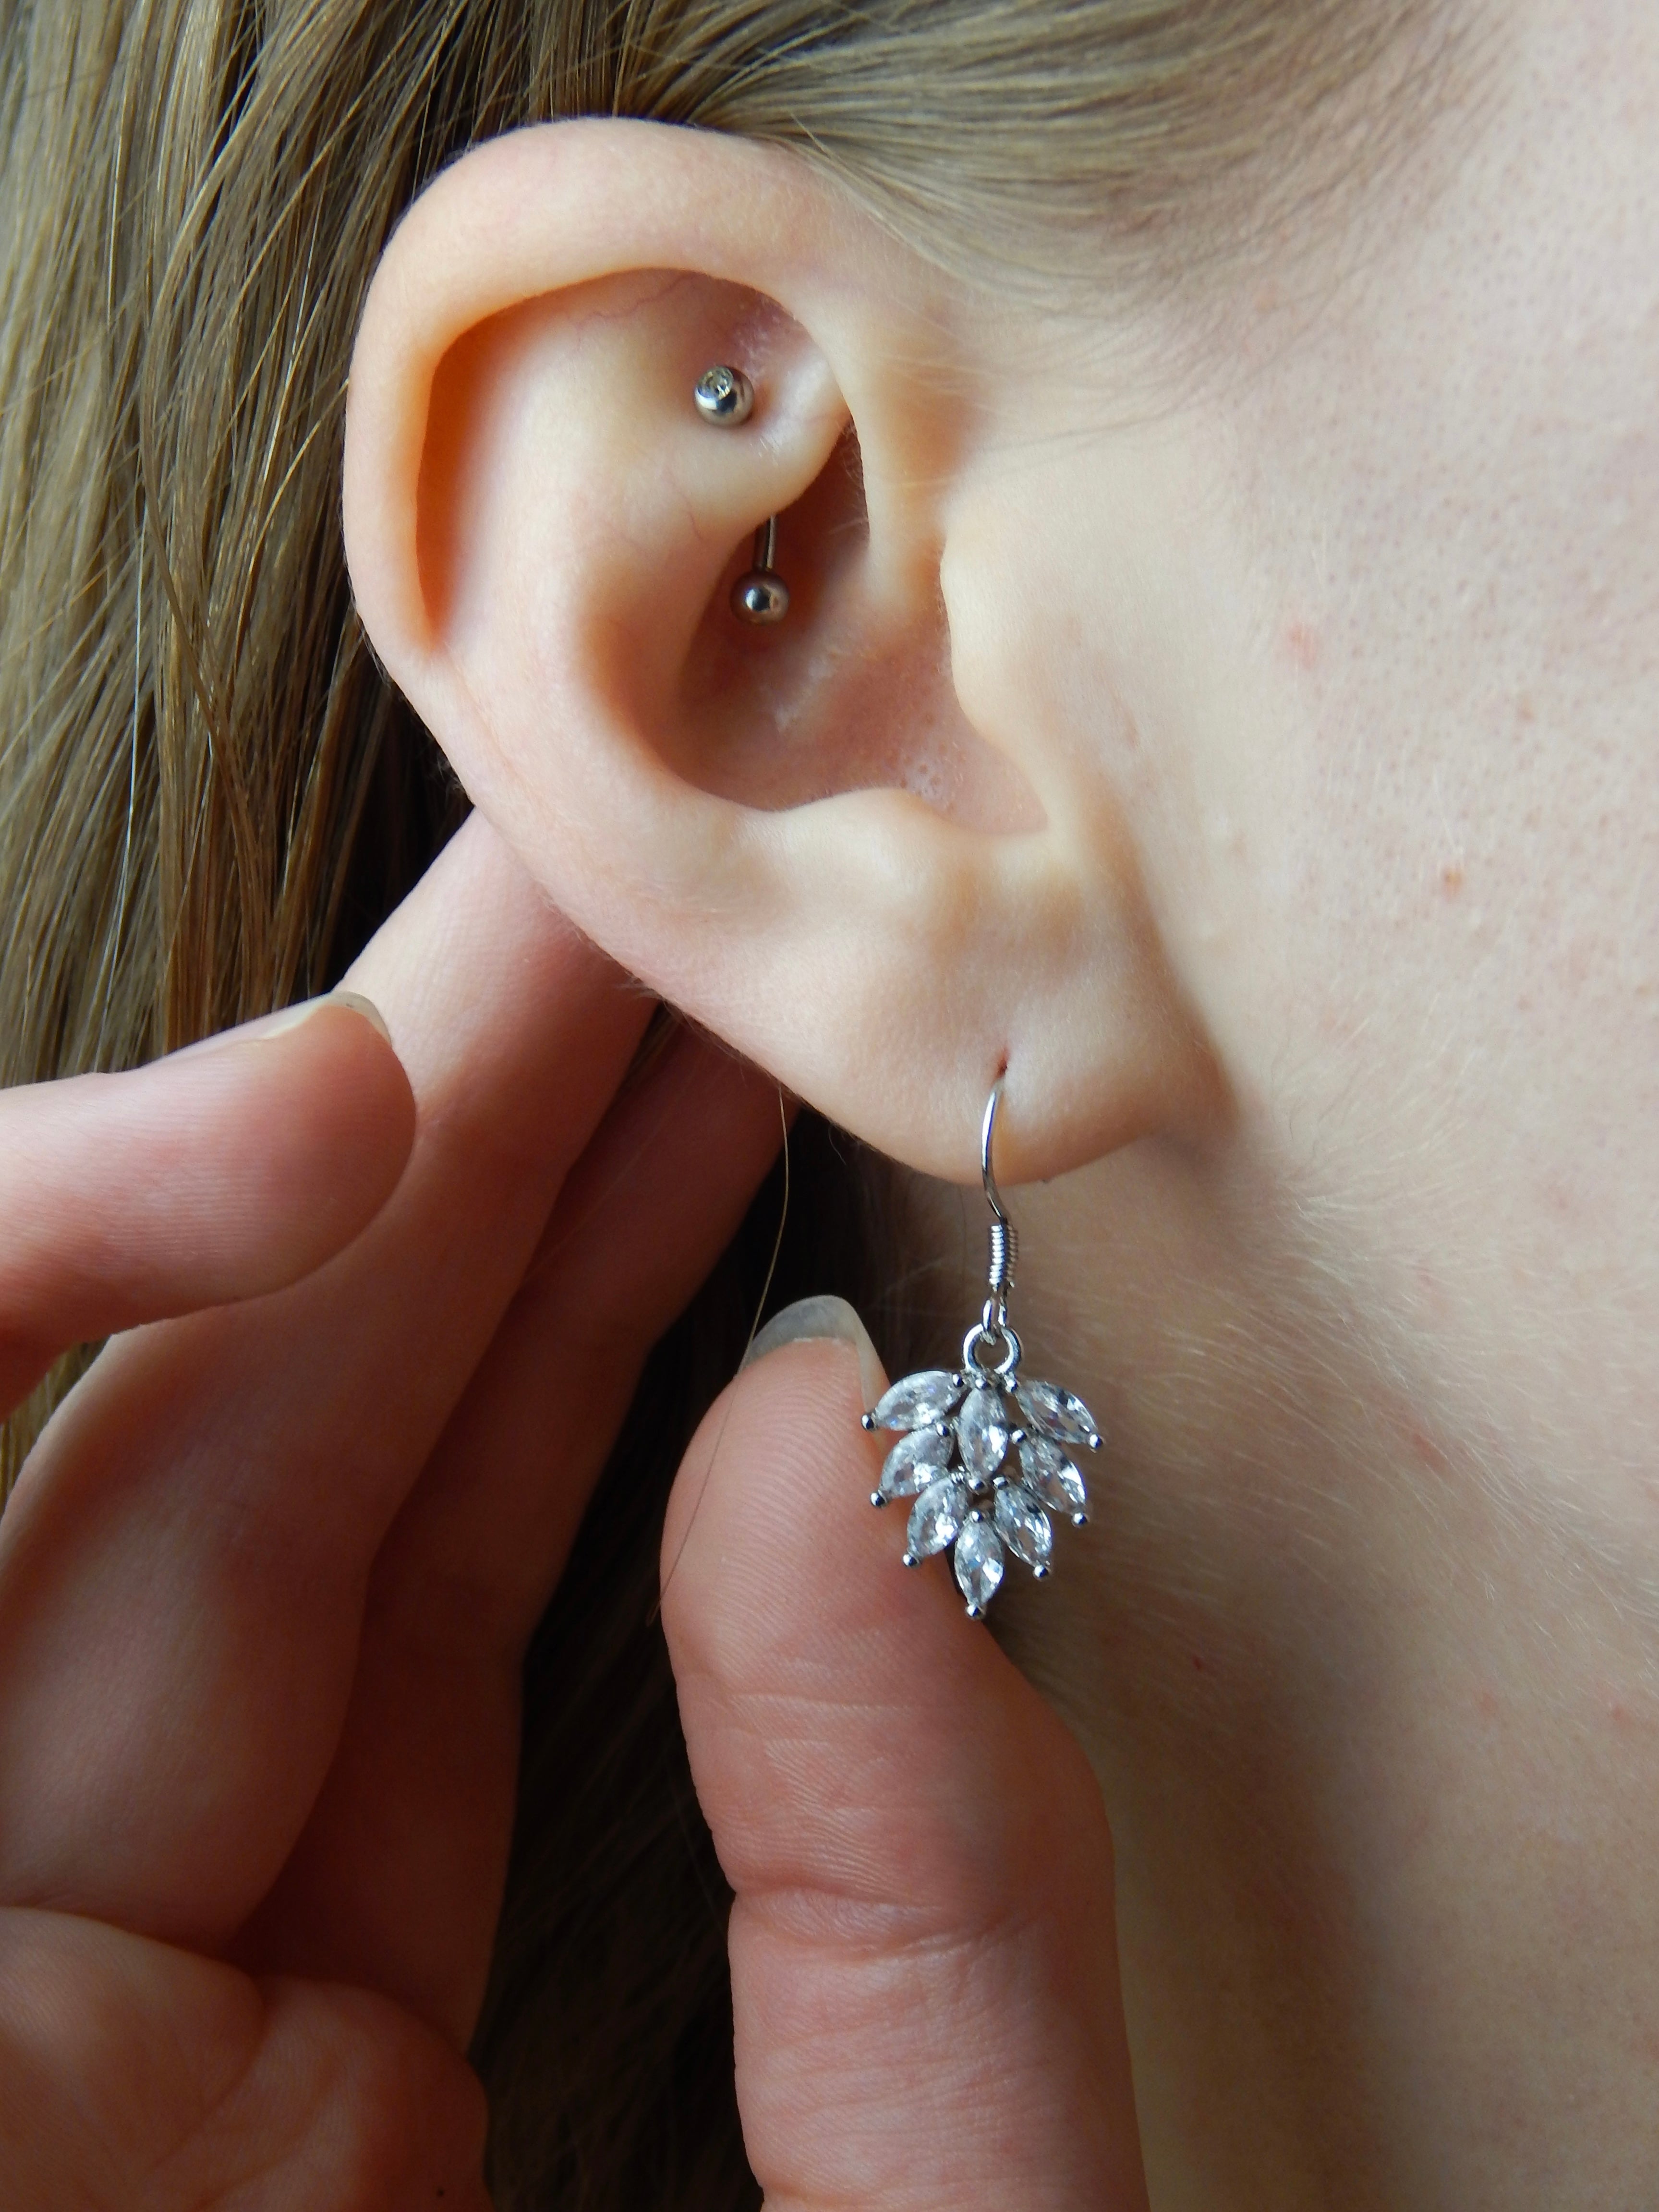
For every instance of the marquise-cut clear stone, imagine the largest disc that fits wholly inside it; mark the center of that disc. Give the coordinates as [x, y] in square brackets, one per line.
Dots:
[1056, 1412]
[1047, 1472]
[1025, 1529]
[914, 1463]
[982, 1427]
[936, 1517]
[918, 1400]
[978, 1562]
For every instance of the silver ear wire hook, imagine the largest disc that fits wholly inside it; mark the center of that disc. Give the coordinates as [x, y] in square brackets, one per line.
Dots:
[762, 596]
[986, 1136]
[1004, 1237]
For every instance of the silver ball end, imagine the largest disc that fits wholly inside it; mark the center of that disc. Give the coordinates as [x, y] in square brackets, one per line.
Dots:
[876, 1499]
[1095, 1442]
[909, 1559]
[867, 1421]
[1079, 1520]
[723, 395]
[761, 598]
[1040, 1574]
[974, 1613]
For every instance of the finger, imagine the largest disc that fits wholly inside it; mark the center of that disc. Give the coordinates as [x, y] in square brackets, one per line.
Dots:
[397, 1882]
[217, 1174]
[182, 1567]
[136, 2075]
[924, 1961]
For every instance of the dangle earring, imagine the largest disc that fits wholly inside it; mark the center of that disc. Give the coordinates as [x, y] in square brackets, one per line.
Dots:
[725, 396]
[986, 1456]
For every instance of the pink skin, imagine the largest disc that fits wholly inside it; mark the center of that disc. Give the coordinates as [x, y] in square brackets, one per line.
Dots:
[265, 1582]
[1315, 624]
[1324, 954]
[924, 1957]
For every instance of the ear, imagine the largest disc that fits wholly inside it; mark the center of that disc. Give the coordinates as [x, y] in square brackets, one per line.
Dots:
[839, 843]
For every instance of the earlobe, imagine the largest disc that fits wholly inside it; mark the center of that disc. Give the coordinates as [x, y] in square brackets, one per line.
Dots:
[795, 834]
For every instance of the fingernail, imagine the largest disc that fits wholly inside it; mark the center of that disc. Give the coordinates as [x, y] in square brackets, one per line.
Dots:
[823, 1320]
[290, 1017]
[367, 1007]
[261, 1031]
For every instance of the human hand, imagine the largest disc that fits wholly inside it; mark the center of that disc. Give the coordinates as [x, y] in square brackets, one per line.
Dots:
[924, 1960]
[265, 1582]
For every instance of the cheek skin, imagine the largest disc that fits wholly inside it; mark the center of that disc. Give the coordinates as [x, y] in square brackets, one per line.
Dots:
[1464, 654]
[1360, 1639]
[1381, 706]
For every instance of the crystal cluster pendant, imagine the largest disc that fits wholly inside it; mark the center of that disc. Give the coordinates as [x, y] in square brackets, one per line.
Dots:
[986, 1456]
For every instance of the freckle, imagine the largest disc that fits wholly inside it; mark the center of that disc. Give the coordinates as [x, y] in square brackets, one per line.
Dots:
[1302, 644]
[1486, 1703]
[1198, 1663]
[1525, 711]
[1451, 881]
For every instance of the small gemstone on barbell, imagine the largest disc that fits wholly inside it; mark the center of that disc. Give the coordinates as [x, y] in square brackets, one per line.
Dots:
[723, 395]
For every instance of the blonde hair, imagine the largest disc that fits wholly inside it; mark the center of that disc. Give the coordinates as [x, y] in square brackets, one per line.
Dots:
[208, 795]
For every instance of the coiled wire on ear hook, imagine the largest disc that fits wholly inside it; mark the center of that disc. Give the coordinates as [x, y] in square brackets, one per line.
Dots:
[1004, 1237]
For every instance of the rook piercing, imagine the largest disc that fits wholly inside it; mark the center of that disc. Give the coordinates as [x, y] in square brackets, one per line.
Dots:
[723, 395]
[981, 1434]
[762, 596]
